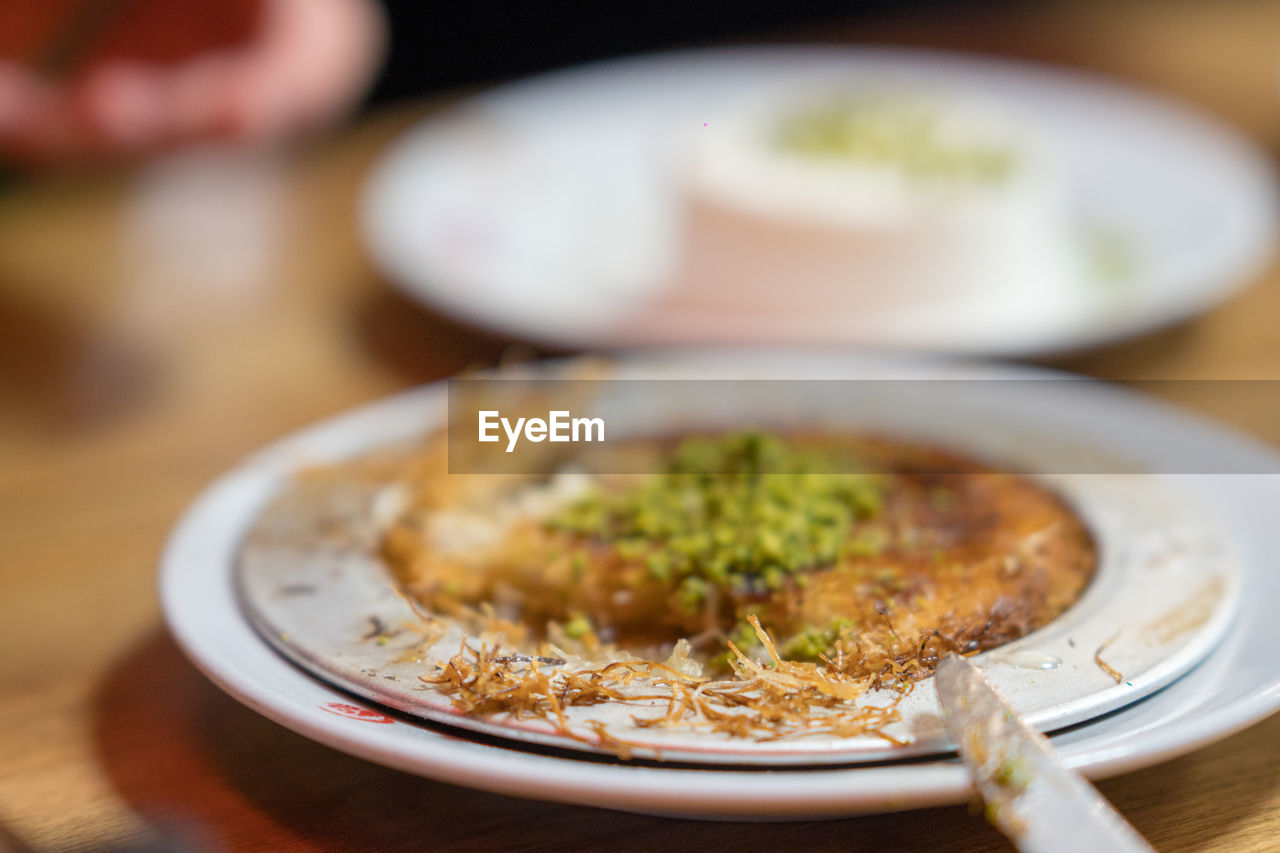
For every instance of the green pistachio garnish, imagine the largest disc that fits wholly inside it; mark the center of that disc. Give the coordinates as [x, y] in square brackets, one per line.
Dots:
[691, 593]
[659, 565]
[807, 645]
[744, 512]
[577, 627]
[744, 636]
[1111, 257]
[812, 643]
[1014, 774]
[897, 134]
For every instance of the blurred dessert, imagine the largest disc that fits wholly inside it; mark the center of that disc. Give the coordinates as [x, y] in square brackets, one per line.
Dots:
[869, 201]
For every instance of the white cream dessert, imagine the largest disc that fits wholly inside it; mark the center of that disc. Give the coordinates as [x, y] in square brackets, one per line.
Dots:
[870, 201]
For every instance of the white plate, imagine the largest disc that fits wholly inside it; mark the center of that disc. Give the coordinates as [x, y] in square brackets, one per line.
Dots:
[544, 208]
[1238, 683]
[1164, 560]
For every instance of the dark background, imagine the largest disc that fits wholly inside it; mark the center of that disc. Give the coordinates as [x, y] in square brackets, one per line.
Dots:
[440, 45]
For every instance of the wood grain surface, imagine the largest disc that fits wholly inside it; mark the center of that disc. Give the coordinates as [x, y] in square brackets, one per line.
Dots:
[132, 373]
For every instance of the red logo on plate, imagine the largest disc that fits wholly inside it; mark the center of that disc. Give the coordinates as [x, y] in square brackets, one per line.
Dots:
[355, 712]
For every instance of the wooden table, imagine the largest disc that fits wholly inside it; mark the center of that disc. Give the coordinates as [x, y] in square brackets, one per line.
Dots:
[112, 419]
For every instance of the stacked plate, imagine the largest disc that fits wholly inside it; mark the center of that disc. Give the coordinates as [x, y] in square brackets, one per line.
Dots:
[1168, 650]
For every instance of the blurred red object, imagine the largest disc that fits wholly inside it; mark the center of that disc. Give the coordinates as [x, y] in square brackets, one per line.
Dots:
[84, 80]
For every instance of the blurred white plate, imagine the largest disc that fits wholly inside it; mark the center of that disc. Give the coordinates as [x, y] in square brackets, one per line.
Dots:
[545, 209]
[1237, 684]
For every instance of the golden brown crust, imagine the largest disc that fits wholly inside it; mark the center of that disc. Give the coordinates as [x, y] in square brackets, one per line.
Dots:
[958, 558]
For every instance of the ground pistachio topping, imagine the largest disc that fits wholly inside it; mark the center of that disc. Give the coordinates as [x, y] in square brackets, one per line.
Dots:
[905, 136]
[745, 512]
